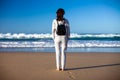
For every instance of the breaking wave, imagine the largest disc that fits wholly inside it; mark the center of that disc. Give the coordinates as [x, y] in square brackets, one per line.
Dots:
[22, 40]
[48, 35]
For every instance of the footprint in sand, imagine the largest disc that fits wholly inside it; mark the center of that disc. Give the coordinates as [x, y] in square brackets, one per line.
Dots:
[71, 76]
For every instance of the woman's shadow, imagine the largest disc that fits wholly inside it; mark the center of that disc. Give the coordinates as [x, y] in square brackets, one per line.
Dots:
[96, 66]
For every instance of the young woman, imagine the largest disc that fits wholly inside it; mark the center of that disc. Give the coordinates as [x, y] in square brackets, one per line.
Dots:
[61, 34]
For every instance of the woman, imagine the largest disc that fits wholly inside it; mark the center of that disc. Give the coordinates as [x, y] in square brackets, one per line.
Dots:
[61, 34]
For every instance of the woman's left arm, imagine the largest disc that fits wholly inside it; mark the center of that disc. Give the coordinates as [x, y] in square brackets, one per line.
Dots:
[68, 29]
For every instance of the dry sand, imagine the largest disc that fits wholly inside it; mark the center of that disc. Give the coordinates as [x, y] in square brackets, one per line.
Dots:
[41, 66]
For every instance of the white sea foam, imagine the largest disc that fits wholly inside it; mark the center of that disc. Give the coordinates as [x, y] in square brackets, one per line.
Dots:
[23, 35]
[48, 35]
[75, 35]
[94, 44]
[50, 43]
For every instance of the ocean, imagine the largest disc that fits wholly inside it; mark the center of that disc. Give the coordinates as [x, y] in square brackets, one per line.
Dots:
[22, 42]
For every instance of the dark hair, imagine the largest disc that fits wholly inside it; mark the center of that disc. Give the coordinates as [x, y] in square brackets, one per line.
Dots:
[61, 10]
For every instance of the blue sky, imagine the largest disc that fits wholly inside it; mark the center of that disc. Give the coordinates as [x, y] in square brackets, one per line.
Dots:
[35, 16]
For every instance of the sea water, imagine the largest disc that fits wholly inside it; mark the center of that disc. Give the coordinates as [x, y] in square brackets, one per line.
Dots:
[21, 42]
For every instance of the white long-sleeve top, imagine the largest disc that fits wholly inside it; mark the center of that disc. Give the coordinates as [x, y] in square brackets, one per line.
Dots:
[55, 24]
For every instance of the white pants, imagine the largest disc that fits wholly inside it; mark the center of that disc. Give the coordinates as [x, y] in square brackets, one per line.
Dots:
[60, 47]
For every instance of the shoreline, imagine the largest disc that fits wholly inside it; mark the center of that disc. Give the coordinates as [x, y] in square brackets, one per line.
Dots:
[66, 52]
[47, 50]
[41, 66]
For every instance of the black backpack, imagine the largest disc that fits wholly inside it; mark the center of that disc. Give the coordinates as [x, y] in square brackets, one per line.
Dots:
[61, 29]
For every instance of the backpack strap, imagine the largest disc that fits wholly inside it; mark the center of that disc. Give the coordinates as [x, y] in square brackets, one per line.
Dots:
[57, 22]
[63, 21]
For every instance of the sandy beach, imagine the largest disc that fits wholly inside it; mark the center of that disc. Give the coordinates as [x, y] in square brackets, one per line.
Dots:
[41, 66]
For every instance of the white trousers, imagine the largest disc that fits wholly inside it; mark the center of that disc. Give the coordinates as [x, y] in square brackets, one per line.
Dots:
[60, 47]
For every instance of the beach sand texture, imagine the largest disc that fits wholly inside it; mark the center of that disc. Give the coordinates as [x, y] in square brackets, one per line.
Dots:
[41, 66]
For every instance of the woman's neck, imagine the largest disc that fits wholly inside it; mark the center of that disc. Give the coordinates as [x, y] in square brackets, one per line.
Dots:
[60, 19]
